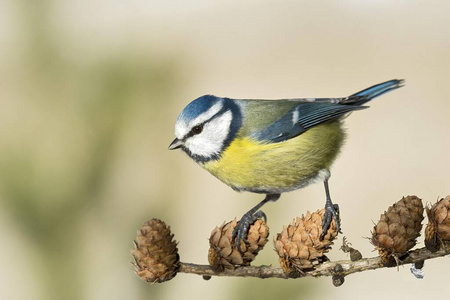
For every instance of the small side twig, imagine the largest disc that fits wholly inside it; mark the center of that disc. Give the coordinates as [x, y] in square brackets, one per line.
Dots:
[326, 269]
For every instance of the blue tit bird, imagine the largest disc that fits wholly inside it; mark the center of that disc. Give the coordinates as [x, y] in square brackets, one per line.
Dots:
[269, 146]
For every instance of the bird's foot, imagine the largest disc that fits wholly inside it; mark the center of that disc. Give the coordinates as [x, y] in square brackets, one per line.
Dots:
[241, 230]
[331, 212]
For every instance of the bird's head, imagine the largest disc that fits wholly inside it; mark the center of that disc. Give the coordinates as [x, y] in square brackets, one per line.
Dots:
[206, 126]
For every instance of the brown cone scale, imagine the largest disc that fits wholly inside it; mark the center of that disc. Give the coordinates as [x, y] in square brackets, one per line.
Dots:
[398, 229]
[224, 254]
[155, 254]
[438, 227]
[299, 246]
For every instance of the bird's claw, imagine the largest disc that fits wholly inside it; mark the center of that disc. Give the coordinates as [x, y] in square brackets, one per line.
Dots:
[241, 230]
[331, 212]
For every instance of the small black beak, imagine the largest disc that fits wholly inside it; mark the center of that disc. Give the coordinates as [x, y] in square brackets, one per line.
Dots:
[175, 144]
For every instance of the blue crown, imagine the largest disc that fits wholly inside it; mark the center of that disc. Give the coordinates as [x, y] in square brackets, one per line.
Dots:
[198, 106]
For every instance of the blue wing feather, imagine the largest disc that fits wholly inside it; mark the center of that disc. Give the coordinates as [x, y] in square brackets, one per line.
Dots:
[309, 114]
[301, 118]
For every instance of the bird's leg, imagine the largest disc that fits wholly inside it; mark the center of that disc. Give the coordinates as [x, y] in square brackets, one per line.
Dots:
[241, 230]
[331, 212]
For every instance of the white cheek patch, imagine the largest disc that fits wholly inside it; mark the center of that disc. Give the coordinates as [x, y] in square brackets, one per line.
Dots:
[211, 141]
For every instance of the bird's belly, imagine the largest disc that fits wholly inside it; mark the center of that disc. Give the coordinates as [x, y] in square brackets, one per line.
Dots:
[250, 165]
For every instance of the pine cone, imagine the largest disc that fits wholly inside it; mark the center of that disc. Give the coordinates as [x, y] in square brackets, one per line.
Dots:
[396, 232]
[438, 227]
[299, 246]
[155, 252]
[223, 253]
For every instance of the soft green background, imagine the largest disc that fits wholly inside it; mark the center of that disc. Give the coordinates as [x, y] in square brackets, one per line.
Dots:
[90, 90]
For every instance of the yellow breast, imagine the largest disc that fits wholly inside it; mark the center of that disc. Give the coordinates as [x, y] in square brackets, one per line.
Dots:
[247, 164]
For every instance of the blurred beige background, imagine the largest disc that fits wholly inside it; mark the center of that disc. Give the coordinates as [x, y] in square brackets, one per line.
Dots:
[90, 91]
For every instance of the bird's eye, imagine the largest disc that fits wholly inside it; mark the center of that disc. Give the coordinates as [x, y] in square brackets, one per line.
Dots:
[197, 129]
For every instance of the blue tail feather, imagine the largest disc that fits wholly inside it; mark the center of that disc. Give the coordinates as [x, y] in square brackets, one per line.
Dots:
[368, 94]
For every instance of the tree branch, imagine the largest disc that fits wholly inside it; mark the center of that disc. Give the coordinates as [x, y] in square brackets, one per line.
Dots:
[300, 247]
[326, 269]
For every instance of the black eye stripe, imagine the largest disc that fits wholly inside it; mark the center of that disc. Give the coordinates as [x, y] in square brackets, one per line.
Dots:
[192, 133]
[197, 129]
